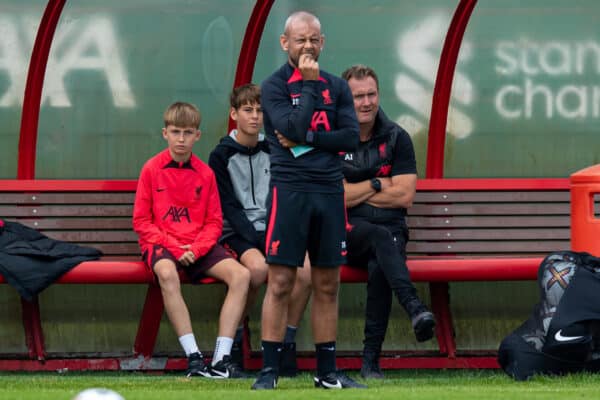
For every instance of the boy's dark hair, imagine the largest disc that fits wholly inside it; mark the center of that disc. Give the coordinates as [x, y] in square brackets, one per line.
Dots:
[182, 115]
[245, 94]
[360, 71]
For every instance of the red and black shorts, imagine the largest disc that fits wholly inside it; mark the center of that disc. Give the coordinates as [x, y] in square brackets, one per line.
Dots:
[304, 221]
[195, 271]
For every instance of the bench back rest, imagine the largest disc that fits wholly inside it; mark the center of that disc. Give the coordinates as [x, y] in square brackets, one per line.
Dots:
[90, 213]
[478, 217]
[471, 217]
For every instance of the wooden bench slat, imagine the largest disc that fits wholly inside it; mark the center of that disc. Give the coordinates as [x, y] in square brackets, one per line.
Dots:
[489, 234]
[491, 209]
[494, 197]
[67, 198]
[492, 246]
[67, 211]
[76, 223]
[488, 221]
[112, 249]
[93, 236]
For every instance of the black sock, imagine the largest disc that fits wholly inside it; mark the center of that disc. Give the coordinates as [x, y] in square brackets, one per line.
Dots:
[271, 354]
[325, 358]
[290, 334]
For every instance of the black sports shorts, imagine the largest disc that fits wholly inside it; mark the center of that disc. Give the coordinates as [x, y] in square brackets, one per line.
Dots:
[306, 221]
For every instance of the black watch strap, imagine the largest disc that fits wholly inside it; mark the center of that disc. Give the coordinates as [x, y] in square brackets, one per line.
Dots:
[376, 184]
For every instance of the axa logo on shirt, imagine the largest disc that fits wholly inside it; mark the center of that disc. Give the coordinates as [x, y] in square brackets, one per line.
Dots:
[177, 213]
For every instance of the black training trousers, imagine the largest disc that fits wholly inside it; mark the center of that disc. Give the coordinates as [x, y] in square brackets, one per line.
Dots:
[383, 250]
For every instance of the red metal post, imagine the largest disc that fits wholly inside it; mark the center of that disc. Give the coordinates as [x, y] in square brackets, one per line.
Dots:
[149, 322]
[249, 50]
[27, 148]
[34, 335]
[33, 89]
[443, 87]
[440, 292]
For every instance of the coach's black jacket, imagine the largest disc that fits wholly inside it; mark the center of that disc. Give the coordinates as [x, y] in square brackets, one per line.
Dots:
[30, 261]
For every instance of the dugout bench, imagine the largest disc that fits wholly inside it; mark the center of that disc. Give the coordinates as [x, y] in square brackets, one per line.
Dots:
[460, 230]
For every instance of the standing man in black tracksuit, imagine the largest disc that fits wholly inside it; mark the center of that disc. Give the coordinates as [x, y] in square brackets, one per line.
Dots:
[380, 183]
[309, 118]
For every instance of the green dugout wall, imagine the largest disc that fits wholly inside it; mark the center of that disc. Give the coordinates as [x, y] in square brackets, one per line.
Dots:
[525, 102]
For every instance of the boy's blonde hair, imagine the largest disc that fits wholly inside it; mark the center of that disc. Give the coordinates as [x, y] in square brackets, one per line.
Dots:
[182, 115]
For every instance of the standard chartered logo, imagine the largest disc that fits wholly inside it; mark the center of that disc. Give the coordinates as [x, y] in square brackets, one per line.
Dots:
[548, 79]
[526, 79]
[418, 50]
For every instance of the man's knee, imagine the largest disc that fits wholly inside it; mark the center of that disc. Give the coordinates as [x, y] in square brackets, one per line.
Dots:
[326, 283]
[303, 278]
[241, 276]
[254, 261]
[281, 281]
[381, 235]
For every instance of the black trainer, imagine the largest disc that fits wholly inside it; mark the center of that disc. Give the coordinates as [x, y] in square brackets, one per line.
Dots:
[288, 364]
[422, 320]
[370, 366]
[226, 369]
[267, 379]
[337, 380]
[197, 366]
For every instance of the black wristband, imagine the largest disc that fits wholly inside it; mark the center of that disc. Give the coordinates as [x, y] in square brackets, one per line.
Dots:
[376, 184]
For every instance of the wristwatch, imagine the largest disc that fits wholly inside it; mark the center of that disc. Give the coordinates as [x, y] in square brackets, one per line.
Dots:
[376, 184]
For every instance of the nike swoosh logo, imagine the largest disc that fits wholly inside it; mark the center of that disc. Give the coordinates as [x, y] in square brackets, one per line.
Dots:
[222, 374]
[560, 338]
[160, 190]
[336, 385]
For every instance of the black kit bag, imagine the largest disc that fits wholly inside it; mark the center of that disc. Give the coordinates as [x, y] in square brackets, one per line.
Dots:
[563, 333]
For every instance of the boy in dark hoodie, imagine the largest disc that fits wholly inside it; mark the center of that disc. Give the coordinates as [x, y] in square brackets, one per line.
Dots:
[241, 165]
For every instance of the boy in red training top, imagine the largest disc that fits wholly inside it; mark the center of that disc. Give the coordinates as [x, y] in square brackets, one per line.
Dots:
[177, 216]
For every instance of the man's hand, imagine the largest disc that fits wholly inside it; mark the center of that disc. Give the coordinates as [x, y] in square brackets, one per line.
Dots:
[283, 141]
[188, 257]
[309, 67]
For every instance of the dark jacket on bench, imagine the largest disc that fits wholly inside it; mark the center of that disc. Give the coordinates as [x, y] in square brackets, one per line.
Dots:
[30, 261]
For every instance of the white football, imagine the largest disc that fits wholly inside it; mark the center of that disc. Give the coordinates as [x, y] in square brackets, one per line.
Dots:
[98, 394]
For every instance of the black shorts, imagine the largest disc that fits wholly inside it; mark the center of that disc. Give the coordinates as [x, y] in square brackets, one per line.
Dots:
[237, 245]
[195, 271]
[301, 222]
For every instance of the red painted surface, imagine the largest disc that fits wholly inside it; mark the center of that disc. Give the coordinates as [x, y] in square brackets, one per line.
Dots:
[56, 185]
[254, 363]
[443, 87]
[62, 185]
[149, 325]
[33, 89]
